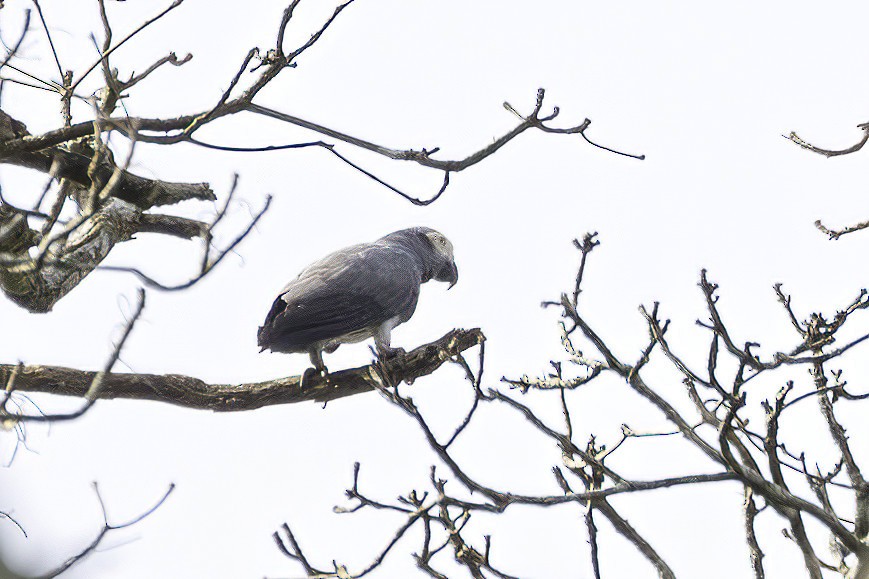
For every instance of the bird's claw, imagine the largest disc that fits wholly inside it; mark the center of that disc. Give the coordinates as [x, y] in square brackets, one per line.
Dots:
[310, 374]
[389, 353]
[384, 355]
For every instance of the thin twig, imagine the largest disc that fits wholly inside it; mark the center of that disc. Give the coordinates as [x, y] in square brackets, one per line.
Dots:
[93, 392]
[152, 283]
[48, 35]
[108, 52]
[107, 528]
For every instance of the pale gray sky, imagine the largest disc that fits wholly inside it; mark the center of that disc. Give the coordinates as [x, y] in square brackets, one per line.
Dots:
[704, 91]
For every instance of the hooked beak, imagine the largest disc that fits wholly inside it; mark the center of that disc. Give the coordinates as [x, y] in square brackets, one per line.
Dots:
[454, 275]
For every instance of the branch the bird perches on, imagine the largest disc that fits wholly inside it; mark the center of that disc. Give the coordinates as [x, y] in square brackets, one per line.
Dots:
[192, 392]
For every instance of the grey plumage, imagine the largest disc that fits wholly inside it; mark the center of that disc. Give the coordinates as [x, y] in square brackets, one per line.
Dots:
[355, 293]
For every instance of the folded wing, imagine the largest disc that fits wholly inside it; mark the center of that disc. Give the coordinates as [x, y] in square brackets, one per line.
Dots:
[347, 294]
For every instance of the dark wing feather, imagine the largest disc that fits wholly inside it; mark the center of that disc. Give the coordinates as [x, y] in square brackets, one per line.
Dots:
[352, 290]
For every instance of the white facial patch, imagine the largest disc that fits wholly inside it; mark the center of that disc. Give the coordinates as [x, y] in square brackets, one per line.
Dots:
[441, 244]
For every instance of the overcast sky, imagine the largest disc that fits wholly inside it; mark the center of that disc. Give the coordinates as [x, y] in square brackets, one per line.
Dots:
[705, 92]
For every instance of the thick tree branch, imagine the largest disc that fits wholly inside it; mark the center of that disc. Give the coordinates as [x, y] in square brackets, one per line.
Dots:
[37, 287]
[755, 554]
[627, 531]
[172, 225]
[66, 256]
[837, 431]
[194, 393]
[62, 163]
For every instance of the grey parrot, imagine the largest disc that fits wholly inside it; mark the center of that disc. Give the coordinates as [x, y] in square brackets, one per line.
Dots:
[355, 293]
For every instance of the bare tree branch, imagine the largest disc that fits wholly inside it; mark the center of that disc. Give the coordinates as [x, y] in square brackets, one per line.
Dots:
[208, 262]
[107, 528]
[123, 41]
[37, 287]
[837, 431]
[94, 388]
[837, 233]
[832, 152]
[61, 163]
[13, 50]
[754, 552]
[194, 393]
[48, 35]
[834, 234]
[627, 531]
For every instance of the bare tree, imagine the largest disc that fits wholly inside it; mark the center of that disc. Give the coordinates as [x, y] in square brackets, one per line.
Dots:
[43, 264]
[91, 201]
[726, 396]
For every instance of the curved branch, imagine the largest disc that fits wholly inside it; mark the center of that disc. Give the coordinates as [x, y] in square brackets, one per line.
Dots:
[832, 152]
[423, 157]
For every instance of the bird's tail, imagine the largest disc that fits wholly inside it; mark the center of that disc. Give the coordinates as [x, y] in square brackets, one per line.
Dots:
[264, 334]
[263, 338]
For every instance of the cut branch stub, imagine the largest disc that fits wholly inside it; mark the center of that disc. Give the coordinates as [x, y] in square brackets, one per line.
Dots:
[194, 393]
